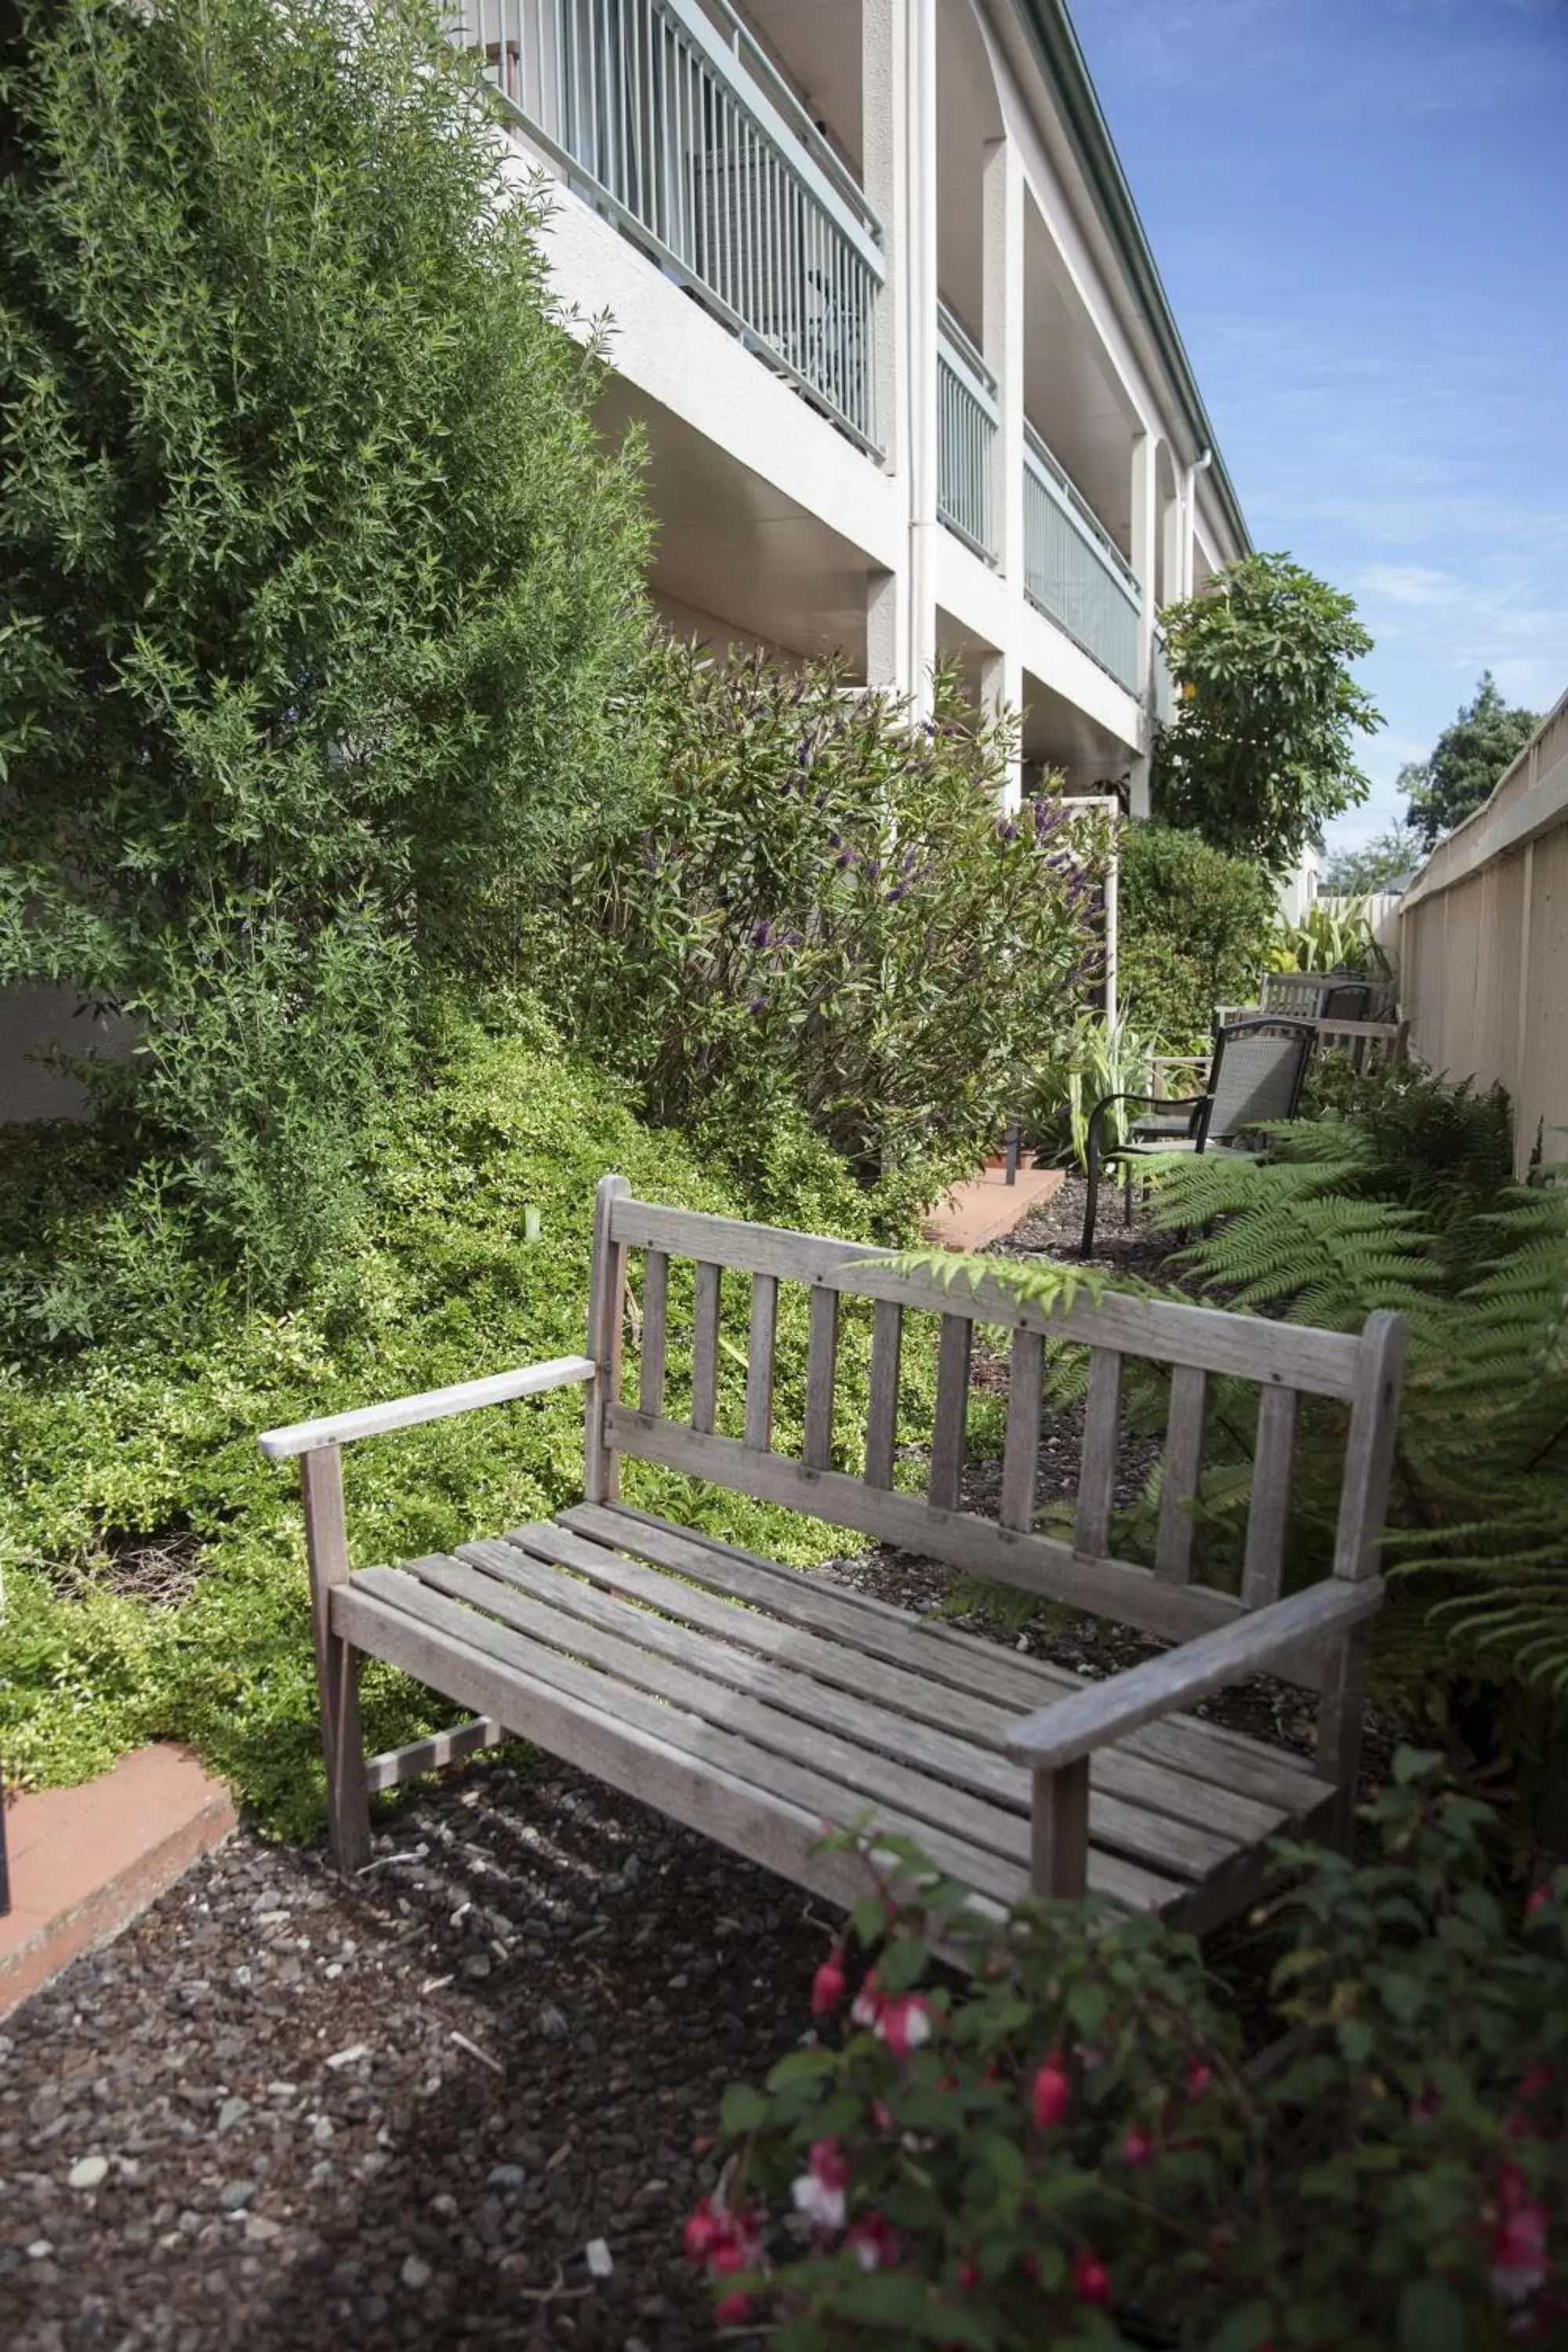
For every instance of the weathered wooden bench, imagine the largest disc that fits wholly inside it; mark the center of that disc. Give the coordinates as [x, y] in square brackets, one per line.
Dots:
[757, 1704]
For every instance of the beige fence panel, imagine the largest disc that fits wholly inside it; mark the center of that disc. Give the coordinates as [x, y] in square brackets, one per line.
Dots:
[1484, 945]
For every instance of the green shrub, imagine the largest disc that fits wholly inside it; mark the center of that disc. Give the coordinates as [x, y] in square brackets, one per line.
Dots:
[1068, 2147]
[1195, 928]
[795, 900]
[136, 1426]
[314, 579]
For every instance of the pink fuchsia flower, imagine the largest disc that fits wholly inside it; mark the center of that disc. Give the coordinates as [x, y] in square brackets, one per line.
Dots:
[1051, 2093]
[1518, 2266]
[905, 2023]
[1199, 2077]
[704, 2232]
[731, 2309]
[867, 2006]
[1090, 2280]
[1137, 2148]
[827, 1986]
[875, 2241]
[1540, 1896]
[818, 2193]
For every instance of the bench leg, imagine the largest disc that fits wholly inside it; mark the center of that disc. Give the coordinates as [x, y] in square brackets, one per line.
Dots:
[1058, 1860]
[337, 1664]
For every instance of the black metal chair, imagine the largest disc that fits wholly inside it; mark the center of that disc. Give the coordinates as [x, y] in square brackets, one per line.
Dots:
[1254, 1074]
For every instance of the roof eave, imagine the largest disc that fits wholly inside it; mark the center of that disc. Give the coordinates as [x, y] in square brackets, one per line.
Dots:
[1068, 76]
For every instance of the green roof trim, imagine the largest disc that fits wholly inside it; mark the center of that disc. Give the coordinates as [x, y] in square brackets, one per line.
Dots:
[1068, 75]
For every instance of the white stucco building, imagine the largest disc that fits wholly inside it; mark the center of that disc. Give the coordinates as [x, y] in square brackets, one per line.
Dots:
[882, 304]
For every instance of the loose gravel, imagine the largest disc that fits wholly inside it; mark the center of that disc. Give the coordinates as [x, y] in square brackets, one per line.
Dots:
[466, 2102]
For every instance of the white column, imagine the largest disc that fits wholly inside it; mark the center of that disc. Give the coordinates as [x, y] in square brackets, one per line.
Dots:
[1002, 341]
[884, 93]
[920, 276]
[886, 646]
[1147, 524]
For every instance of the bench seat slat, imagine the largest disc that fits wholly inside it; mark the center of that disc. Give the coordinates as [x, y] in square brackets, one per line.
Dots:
[620, 1709]
[798, 1674]
[1222, 1817]
[681, 1768]
[1229, 1762]
[682, 1668]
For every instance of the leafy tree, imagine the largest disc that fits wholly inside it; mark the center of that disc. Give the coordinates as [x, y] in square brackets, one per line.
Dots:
[1260, 753]
[314, 580]
[1195, 930]
[1466, 763]
[1377, 865]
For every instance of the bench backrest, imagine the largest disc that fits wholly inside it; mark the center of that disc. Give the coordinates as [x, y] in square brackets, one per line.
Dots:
[1285, 1361]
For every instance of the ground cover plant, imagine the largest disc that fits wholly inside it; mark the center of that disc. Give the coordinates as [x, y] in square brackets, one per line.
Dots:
[155, 1580]
[1068, 2147]
[315, 579]
[799, 897]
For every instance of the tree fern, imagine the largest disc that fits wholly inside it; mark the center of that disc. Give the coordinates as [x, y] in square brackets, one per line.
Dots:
[1330, 1228]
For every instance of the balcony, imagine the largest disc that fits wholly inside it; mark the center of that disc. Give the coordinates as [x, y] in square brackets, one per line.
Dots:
[966, 421]
[1073, 569]
[690, 139]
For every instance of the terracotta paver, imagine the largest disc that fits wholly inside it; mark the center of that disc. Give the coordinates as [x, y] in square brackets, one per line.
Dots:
[974, 1214]
[85, 1862]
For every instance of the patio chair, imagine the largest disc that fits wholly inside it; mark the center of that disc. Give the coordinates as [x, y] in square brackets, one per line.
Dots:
[1254, 1074]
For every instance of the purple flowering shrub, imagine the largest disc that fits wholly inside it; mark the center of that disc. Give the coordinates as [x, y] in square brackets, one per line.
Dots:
[1068, 2145]
[802, 899]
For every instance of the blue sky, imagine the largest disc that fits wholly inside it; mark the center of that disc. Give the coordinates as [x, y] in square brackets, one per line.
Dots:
[1360, 210]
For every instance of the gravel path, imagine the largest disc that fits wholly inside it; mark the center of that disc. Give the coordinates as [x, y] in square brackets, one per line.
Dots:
[303, 2117]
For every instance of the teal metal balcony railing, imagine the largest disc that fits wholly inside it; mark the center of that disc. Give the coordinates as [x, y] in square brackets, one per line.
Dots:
[1073, 569]
[966, 421]
[690, 139]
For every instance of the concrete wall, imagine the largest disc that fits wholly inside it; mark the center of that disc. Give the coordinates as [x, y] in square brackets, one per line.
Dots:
[33, 1021]
[1484, 945]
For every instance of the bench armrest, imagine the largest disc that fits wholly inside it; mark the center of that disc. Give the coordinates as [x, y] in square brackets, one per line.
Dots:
[435, 1404]
[1076, 1726]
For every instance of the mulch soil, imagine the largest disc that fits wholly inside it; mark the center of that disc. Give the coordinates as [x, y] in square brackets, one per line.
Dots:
[468, 2100]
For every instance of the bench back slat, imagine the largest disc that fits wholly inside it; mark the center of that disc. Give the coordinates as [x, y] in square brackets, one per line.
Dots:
[882, 1417]
[760, 1363]
[1263, 1564]
[954, 1351]
[655, 1321]
[821, 1374]
[1195, 1344]
[1182, 1471]
[1021, 1450]
[1096, 1477]
[705, 1346]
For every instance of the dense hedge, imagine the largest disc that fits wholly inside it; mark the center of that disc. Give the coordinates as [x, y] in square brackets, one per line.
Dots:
[1197, 926]
[315, 579]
